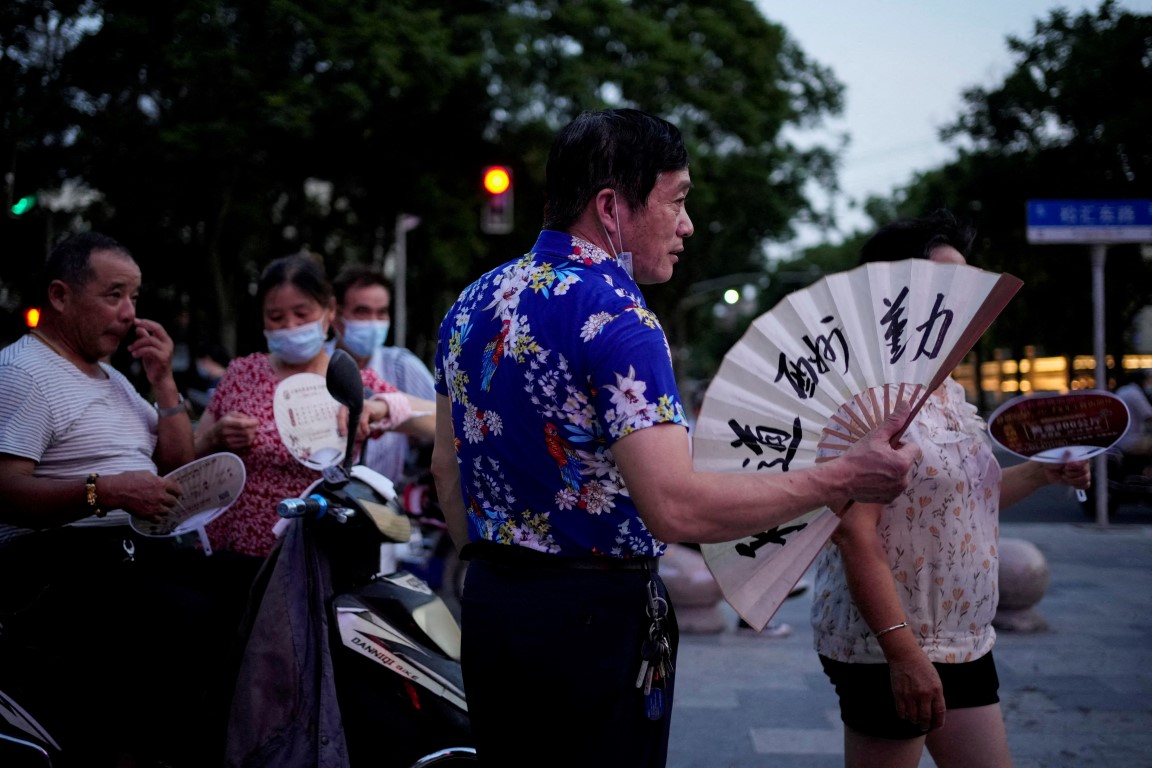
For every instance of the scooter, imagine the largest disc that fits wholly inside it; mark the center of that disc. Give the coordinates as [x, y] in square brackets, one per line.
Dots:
[389, 690]
[24, 743]
[430, 553]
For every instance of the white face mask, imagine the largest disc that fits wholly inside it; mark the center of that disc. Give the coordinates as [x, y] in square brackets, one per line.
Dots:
[623, 256]
[297, 345]
[362, 337]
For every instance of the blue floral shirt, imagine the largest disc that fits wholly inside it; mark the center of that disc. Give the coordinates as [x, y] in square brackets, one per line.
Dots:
[548, 360]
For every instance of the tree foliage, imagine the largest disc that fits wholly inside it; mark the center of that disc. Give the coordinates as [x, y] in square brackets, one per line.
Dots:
[1070, 120]
[202, 122]
[220, 134]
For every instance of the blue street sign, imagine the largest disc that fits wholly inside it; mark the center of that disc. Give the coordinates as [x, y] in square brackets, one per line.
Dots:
[1090, 221]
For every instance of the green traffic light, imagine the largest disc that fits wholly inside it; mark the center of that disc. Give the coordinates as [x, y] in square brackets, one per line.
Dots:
[23, 205]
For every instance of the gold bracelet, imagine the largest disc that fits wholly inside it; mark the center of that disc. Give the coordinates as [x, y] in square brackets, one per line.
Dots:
[90, 494]
[883, 632]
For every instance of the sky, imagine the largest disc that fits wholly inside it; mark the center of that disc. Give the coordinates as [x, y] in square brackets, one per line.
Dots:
[905, 64]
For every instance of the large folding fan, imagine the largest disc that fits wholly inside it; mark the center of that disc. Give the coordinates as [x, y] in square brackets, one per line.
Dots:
[814, 374]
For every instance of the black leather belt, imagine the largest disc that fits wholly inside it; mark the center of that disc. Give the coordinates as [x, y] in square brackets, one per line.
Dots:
[508, 554]
[91, 545]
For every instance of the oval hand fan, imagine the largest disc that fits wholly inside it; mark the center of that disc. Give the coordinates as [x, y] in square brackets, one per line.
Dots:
[209, 486]
[305, 416]
[814, 374]
[1060, 427]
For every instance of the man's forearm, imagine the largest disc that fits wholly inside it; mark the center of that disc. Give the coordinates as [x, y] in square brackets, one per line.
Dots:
[446, 472]
[174, 445]
[41, 502]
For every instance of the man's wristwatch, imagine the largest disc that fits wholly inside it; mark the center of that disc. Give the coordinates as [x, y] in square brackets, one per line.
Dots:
[172, 410]
[90, 491]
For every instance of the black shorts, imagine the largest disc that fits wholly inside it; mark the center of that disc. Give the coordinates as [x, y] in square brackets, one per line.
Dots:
[867, 704]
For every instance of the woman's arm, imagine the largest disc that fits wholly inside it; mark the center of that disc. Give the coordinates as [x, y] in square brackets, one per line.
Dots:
[399, 412]
[1024, 479]
[915, 682]
[232, 432]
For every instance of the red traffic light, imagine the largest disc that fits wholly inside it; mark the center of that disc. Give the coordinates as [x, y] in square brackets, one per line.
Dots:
[496, 212]
[497, 179]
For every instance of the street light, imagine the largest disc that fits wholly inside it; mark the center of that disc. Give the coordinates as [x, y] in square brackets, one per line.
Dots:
[702, 292]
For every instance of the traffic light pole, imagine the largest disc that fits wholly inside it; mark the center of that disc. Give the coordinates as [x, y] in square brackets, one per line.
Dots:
[1097, 224]
[1100, 463]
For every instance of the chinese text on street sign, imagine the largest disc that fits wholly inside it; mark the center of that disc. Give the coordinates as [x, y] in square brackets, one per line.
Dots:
[1090, 221]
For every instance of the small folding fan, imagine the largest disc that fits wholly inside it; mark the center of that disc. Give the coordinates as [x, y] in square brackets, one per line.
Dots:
[305, 416]
[814, 374]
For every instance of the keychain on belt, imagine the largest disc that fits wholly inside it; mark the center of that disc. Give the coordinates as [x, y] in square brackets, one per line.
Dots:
[655, 655]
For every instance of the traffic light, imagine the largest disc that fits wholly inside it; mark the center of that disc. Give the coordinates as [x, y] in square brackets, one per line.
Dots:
[32, 317]
[496, 215]
[23, 205]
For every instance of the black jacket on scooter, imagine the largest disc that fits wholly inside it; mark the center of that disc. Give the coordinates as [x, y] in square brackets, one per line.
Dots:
[284, 710]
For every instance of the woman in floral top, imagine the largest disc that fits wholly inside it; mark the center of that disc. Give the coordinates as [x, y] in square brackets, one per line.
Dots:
[906, 592]
[297, 306]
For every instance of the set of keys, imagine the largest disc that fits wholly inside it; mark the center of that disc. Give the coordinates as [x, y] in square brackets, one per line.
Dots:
[655, 656]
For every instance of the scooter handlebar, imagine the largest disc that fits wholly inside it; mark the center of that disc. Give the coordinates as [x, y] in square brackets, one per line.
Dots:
[314, 506]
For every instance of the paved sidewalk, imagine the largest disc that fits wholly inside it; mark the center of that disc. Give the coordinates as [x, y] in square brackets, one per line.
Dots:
[1077, 694]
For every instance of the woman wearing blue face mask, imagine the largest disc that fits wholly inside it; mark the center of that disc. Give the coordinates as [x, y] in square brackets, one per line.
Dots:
[297, 307]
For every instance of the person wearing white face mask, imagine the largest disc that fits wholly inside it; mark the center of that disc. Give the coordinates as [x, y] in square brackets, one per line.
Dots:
[363, 318]
[297, 306]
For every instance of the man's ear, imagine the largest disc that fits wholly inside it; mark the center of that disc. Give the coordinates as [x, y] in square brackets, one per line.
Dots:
[606, 213]
[58, 294]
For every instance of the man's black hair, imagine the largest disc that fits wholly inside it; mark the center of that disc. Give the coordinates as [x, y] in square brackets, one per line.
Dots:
[620, 149]
[71, 259]
[357, 276]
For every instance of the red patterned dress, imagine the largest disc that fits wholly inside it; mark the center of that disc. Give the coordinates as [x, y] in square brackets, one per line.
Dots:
[273, 474]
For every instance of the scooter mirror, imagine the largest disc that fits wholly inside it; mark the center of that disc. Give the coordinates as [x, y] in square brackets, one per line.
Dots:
[344, 383]
[347, 388]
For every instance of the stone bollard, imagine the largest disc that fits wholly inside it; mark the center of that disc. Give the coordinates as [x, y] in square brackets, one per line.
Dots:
[1024, 577]
[695, 594]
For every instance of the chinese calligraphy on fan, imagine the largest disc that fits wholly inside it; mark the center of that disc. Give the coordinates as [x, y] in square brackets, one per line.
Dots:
[932, 331]
[804, 372]
[756, 439]
[776, 535]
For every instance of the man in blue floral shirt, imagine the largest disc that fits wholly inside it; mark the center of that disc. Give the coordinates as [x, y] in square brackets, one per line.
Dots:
[562, 461]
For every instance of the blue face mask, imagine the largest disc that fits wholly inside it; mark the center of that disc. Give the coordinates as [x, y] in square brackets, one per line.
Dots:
[362, 337]
[623, 256]
[296, 345]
